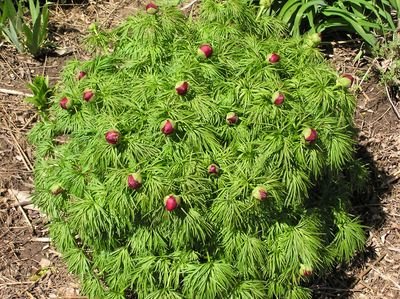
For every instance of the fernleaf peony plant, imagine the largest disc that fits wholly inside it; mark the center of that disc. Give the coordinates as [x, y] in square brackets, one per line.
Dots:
[207, 158]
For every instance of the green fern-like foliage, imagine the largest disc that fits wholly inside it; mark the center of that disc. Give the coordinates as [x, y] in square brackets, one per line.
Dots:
[235, 187]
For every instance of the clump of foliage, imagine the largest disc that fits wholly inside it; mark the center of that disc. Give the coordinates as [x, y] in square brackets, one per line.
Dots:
[41, 94]
[365, 18]
[388, 57]
[207, 158]
[26, 34]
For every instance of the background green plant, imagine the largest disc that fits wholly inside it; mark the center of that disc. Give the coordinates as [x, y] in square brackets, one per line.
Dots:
[221, 242]
[41, 94]
[366, 18]
[25, 34]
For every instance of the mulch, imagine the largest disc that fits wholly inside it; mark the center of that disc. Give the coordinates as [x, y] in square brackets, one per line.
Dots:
[31, 268]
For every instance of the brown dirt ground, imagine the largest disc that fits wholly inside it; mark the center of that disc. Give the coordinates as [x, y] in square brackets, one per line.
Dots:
[31, 268]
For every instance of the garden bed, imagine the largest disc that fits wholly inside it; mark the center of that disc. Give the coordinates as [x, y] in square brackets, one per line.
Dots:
[31, 268]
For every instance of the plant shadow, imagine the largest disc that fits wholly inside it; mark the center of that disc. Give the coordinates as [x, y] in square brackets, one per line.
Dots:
[340, 282]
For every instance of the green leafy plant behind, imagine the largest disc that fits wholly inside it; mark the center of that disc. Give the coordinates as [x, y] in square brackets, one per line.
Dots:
[12, 23]
[30, 36]
[366, 18]
[41, 93]
[199, 159]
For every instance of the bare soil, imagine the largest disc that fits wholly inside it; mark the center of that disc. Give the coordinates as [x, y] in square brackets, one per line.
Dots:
[31, 268]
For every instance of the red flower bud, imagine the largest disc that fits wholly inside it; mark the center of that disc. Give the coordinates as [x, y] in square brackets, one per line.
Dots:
[151, 8]
[278, 98]
[345, 80]
[232, 118]
[172, 202]
[112, 136]
[306, 270]
[88, 95]
[260, 193]
[167, 127]
[310, 135]
[205, 51]
[65, 103]
[182, 88]
[80, 75]
[134, 181]
[213, 169]
[273, 58]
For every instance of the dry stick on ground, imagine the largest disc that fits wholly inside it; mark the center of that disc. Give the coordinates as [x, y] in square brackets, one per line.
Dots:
[10, 67]
[391, 102]
[43, 240]
[22, 210]
[22, 203]
[394, 177]
[367, 72]
[366, 271]
[15, 283]
[387, 278]
[189, 5]
[25, 159]
[380, 117]
[29, 121]
[15, 92]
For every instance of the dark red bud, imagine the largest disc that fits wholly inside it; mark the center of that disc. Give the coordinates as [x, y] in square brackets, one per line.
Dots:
[306, 270]
[310, 135]
[205, 51]
[65, 103]
[167, 127]
[232, 118]
[112, 137]
[278, 98]
[81, 74]
[134, 181]
[273, 58]
[213, 169]
[260, 193]
[171, 202]
[88, 95]
[182, 88]
[151, 8]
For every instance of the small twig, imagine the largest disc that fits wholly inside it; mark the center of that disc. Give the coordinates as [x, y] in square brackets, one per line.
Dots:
[10, 67]
[393, 178]
[366, 271]
[15, 92]
[29, 121]
[44, 65]
[365, 285]
[189, 5]
[43, 240]
[55, 252]
[22, 203]
[22, 210]
[25, 159]
[367, 72]
[387, 278]
[391, 102]
[394, 249]
[380, 117]
[29, 295]
[15, 283]
[319, 289]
